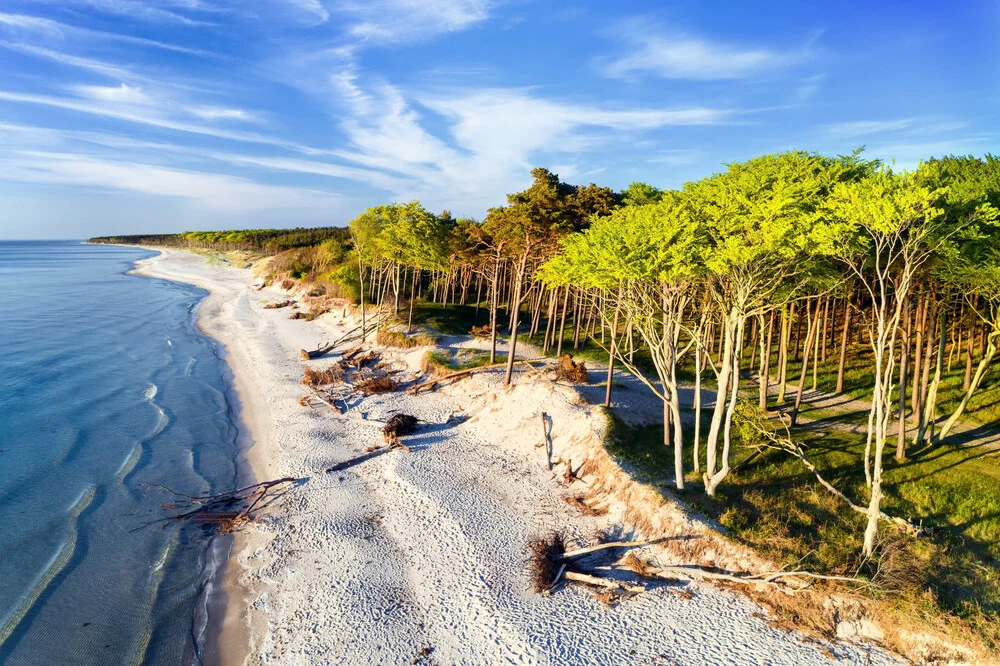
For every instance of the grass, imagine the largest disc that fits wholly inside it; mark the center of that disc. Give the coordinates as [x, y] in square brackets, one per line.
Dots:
[389, 338]
[441, 362]
[774, 505]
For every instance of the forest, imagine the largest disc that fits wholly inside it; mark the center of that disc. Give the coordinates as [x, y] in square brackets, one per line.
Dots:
[737, 299]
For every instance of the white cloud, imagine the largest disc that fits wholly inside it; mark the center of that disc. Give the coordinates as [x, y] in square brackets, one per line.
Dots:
[313, 9]
[144, 116]
[60, 31]
[859, 128]
[216, 192]
[218, 113]
[124, 94]
[412, 20]
[142, 11]
[89, 64]
[498, 135]
[671, 55]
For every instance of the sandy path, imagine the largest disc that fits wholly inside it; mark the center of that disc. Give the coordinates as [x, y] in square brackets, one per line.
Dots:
[427, 550]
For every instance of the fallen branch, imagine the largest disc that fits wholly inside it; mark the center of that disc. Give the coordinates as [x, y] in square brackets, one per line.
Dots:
[432, 384]
[322, 350]
[602, 546]
[278, 305]
[599, 581]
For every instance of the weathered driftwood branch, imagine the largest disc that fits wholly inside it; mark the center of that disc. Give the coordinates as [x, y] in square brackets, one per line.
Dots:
[600, 581]
[602, 546]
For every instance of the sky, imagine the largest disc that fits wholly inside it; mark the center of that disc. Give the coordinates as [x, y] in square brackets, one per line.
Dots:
[158, 116]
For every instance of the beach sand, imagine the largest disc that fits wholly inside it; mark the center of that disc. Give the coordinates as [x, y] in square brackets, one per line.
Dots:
[423, 556]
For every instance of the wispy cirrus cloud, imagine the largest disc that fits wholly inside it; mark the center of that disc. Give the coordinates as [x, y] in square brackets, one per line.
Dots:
[144, 115]
[411, 20]
[151, 12]
[212, 191]
[669, 54]
[55, 30]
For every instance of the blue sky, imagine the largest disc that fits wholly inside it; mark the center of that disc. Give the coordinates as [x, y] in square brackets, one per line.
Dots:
[148, 116]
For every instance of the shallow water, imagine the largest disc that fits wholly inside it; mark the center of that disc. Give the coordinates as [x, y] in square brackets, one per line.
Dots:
[105, 386]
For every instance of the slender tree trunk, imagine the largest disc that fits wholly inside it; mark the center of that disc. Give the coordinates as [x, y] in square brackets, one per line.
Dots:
[494, 306]
[904, 359]
[783, 355]
[765, 363]
[562, 322]
[932, 390]
[812, 331]
[413, 298]
[915, 394]
[842, 365]
[825, 327]
[361, 282]
[516, 304]
[925, 377]
[991, 350]
[611, 356]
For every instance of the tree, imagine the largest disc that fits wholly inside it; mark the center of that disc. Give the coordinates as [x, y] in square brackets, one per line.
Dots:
[527, 229]
[756, 215]
[882, 228]
[644, 261]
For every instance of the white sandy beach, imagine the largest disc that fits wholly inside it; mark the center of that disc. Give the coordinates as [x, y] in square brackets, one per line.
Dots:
[422, 556]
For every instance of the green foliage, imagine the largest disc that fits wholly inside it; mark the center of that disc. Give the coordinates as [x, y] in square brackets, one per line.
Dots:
[640, 194]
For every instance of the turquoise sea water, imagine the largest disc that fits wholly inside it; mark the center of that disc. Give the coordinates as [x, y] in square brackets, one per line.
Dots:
[105, 386]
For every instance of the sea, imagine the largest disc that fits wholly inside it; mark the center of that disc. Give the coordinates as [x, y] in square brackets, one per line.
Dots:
[107, 387]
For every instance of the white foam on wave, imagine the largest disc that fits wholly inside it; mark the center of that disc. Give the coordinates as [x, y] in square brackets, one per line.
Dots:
[169, 342]
[150, 392]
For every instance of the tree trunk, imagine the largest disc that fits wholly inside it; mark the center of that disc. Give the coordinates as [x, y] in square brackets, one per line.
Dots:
[611, 356]
[413, 298]
[904, 359]
[991, 350]
[765, 363]
[843, 344]
[515, 314]
[812, 331]
[783, 354]
[562, 322]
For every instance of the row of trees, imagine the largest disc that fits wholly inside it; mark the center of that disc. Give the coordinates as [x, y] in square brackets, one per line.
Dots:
[775, 259]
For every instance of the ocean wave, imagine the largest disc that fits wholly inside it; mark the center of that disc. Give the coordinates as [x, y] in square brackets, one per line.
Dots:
[150, 392]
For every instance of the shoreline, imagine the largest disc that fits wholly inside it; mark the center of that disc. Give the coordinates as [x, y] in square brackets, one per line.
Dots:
[226, 635]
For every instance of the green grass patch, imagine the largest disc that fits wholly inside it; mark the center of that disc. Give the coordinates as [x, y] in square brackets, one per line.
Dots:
[438, 362]
[389, 338]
